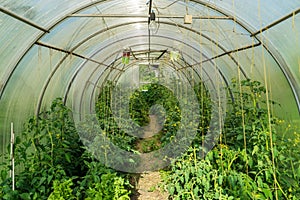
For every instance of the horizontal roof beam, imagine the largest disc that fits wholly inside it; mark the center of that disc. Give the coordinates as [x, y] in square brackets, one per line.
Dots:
[276, 22]
[146, 16]
[72, 53]
[224, 54]
[22, 19]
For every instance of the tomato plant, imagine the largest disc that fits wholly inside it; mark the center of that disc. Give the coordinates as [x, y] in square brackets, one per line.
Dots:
[251, 160]
[257, 156]
[52, 163]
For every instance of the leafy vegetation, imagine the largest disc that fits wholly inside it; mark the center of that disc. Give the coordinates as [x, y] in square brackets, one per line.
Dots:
[53, 163]
[251, 160]
[150, 98]
[257, 156]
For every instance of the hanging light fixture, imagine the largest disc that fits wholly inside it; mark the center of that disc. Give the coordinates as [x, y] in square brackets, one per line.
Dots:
[152, 16]
[152, 24]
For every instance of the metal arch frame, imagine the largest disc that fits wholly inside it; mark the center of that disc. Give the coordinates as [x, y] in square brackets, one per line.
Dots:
[107, 57]
[197, 50]
[95, 85]
[269, 48]
[88, 5]
[38, 38]
[75, 74]
[228, 17]
[134, 62]
[40, 35]
[110, 28]
[170, 65]
[137, 61]
[170, 47]
[281, 63]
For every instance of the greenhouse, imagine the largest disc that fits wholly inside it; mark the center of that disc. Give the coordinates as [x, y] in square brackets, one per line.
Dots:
[150, 99]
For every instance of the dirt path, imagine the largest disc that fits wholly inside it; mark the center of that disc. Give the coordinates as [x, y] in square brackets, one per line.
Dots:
[153, 127]
[148, 187]
[148, 184]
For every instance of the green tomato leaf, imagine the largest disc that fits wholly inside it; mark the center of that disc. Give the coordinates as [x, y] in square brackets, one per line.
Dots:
[25, 196]
[68, 157]
[298, 172]
[255, 150]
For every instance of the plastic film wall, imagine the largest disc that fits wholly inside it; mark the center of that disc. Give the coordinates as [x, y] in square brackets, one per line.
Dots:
[69, 48]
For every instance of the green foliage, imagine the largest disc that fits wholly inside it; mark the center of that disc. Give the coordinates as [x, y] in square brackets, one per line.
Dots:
[53, 164]
[62, 190]
[141, 102]
[104, 183]
[257, 156]
[110, 187]
[107, 121]
[149, 96]
[50, 150]
[251, 161]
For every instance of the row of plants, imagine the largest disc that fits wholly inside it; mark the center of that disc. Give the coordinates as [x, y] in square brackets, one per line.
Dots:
[150, 99]
[53, 164]
[255, 158]
[252, 159]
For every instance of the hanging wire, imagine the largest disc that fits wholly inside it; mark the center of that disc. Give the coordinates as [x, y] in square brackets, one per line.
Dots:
[158, 19]
[105, 24]
[243, 115]
[201, 90]
[252, 64]
[216, 72]
[270, 127]
[241, 92]
[186, 6]
[234, 16]
[276, 184]
[168, 5]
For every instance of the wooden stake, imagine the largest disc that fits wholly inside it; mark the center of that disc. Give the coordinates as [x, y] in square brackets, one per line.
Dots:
[12, 159]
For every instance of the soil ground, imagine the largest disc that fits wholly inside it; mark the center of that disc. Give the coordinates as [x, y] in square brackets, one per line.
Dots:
[147, 185]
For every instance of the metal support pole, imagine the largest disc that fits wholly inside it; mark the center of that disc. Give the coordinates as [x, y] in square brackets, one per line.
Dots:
[276, 22]
[223, 54]
[149, 32]
[22, 19]
[147, 16]
[163, 52]
[75, 54]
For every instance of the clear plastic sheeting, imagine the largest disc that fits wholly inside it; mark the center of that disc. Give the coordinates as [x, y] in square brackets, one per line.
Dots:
[70, 48]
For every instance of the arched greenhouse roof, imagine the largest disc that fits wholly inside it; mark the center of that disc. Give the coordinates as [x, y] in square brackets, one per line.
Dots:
[69, 48]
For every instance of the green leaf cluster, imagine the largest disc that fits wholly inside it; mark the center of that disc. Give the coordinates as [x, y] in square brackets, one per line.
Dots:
[53, 164]
[251, 161]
